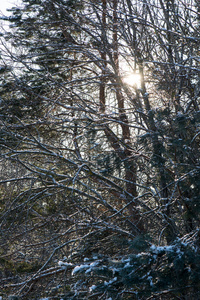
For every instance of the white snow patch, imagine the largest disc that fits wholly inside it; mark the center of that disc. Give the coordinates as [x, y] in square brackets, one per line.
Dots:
[86, 259]
[110, 281]
[93, 264]
[95, 257]
[86, 267]
[63, 264]
[80, 268]
[127, 265]
[92, 288]
[159, 249]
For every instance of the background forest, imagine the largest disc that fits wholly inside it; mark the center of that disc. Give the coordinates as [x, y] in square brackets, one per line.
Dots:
[99, 173]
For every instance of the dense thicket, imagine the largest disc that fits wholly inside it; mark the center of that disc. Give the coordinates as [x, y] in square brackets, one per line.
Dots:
[100, 178]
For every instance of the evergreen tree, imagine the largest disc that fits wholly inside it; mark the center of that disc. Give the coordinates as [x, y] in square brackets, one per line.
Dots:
[100, 178]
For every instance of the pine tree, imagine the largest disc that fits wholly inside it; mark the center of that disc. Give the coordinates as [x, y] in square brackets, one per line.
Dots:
[100, 179]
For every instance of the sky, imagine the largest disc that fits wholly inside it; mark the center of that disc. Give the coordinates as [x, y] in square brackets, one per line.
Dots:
[7, 4]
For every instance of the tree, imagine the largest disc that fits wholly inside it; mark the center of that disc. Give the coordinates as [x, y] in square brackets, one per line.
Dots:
[103, 173]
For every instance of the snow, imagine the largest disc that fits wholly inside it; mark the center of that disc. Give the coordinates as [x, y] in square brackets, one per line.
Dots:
[172, 248]
[179, 114]
[92, 288]
[127, 265]
[93, 264]
[159, 249]
[141, 254]
[86, 259]
[150, 280]
[63, 264]
[126, 260]
[80, 268]
[115, 270]
[86, 267]
[110, 281]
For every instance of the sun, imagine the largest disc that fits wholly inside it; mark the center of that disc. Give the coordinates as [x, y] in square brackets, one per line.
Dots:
[133, 79]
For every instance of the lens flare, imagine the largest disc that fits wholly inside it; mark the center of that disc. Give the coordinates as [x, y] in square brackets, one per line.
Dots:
[133, 79]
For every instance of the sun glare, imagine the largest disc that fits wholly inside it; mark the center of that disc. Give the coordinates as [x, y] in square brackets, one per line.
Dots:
[133, 79]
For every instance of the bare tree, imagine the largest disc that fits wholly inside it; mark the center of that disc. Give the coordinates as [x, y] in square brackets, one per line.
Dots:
[91, 164]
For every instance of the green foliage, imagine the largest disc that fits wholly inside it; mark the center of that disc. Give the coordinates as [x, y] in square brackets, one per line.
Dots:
[146, 273]
[140, 243]
[109, 163]
[27, 267]
[18, 267]
[83, 174]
